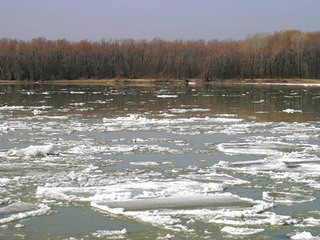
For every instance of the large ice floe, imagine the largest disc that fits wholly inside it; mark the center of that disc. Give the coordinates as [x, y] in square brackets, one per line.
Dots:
[161, 203]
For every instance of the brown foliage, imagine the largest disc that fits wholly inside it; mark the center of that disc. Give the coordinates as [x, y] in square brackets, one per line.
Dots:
[289, 54]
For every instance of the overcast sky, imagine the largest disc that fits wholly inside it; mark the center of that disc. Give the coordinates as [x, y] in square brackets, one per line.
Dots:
[148, 19]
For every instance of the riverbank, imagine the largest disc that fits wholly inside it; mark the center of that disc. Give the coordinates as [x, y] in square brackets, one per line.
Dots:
[155, 82]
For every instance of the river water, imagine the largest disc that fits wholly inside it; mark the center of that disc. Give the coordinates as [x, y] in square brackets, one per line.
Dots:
[213, 162]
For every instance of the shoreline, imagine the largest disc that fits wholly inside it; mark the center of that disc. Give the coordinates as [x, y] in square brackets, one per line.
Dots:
[158, 82]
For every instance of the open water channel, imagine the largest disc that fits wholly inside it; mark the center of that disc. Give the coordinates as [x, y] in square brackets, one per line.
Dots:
[214, 162]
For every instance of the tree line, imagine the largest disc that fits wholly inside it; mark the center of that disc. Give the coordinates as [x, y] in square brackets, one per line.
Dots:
[286, 54]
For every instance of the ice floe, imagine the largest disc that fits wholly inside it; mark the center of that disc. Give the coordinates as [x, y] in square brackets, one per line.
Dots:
[138, 122]
[146, 163]
[10, 108]
[33, 150]
[312, 221]
[184, 110]
[167, 96]
[241, 231]
[263, 148]
[127, 191]
[289, 110]
[110, 234]
[286, 197]
[21, 210]
[179, 202]
[304, 236]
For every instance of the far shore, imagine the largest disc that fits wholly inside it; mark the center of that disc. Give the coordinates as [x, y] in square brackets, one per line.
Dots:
[157, 82]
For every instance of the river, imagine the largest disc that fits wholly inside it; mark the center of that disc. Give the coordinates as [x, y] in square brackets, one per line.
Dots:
[165, 162]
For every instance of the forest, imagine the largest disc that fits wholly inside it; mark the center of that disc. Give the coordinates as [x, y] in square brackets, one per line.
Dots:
[281, 55]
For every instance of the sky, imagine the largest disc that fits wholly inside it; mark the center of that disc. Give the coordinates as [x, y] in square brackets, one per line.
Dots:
[94, 20]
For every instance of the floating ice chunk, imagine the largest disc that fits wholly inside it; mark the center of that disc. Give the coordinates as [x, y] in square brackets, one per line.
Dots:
[146, 163]
[36, 112]
[33, 150]
[105, 208]
[77, 92]
[248, 217]
[77, 104]
[4, 181]
[251, 216]
[130, 190]
[249, 148]
[312, 221]
[159, 220]
[183, 110]
[241, 231]
[216, 177]
[17, 207]
[19, 225]
[166, 237]
[226, 115]
[289, 110]
[10, 108]
[309, 168]
[286, 197]
[22, 211]
[179, 202]
[258, 101]
[167, 96]
[314, 184]
[178, 110]
[110, 234]
[303, 236]
[226, 120]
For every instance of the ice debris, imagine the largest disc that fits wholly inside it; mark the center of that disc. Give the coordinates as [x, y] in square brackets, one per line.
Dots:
[304, 236]
[241, 230]
[33, 150]
[21, 210]
[110, 234]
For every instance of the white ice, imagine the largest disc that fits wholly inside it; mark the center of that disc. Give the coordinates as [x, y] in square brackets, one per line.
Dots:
[167, 96]
[286, 197]
[21, 210]
[241, 231]
[33, 150]
[289, 110]
[110, 234]
[176, 202]
[17, 207]
[146, 163]
[304, 236]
